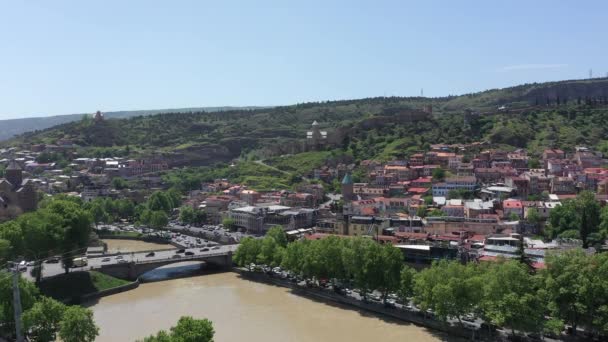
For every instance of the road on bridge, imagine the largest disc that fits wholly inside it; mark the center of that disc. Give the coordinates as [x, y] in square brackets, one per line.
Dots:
[95, 262]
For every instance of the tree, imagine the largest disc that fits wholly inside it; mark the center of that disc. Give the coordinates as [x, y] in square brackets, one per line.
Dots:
[513, 217]
[98, 212]
[460, 193]
[448, 288]
[581, 214]
[267, 252]
[510, 297]
[248, 251]
[187, 329]
[436, 213]
[76, 223]
[119, 183]
[158, 219]
[589, 210]
[438, 174]
[278, 234]
[533, 163]
[77, 325]
[294, 256]
[428, 200]
[42, 321]
[162, 201]
[229, 224]
[421, 211]
[569, 283]
[187, 214]
[533, 216]
[29, 294]
[406, 283]
[391, 266]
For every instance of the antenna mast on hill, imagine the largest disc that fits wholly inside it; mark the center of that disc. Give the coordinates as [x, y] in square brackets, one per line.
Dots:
[421, 92]
[590, 73]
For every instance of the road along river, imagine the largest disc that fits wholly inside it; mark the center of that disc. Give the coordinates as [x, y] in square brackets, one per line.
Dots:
[242, 310]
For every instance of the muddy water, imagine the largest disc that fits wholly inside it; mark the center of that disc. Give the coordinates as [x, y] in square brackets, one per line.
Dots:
[123, 246]
[241, 310]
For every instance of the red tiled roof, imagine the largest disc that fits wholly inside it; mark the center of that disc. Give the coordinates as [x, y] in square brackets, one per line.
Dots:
[487, 258]
[406, 235]
[477, 237]
[418, 190]
[512, 204]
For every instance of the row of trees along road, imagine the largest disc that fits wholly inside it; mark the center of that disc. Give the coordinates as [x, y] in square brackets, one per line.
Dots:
[44, 319]
[61, 226]
[573, 289]
[154, 212]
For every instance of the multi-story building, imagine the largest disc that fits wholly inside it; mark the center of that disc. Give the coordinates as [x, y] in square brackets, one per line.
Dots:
[513, 207]
[562, 185]
[466, 183]
[17, 195]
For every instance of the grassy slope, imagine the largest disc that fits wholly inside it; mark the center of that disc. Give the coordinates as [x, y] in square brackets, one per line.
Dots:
[301, 163]
[78, 284]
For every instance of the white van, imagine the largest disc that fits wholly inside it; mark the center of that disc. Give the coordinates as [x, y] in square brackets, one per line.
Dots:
[80, 262]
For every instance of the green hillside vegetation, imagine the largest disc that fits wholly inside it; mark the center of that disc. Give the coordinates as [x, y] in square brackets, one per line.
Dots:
[556, 114]
[256, 176]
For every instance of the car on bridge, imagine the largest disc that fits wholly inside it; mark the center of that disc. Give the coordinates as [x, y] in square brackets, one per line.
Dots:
[189, 253]
[151, 254]
[180, 251]
[205, 250]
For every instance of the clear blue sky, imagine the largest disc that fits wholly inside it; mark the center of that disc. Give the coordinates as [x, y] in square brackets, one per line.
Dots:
[61, 57]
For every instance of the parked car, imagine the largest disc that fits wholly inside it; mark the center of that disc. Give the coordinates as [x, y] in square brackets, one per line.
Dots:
[122, 261]
[52, 260]
[205, 250]
[151, 254]
[105, 260]
[189, 253]
[216, 247]
[119, 257]
[180, 251]
[176, 256]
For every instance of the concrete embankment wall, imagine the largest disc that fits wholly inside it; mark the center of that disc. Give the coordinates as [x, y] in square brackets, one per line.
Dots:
[107, 292]
[376, 308]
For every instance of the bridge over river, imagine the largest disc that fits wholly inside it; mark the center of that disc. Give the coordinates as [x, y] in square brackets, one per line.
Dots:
[132, 265]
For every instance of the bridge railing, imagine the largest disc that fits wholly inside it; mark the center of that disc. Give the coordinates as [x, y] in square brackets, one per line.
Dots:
[184, 258]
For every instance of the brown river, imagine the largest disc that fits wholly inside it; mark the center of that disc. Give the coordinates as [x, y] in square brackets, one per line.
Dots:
[242, 310]
[115, 245]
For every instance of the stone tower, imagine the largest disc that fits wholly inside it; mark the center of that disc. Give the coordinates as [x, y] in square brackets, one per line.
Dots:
[14, 174]
[316, 133]
[347, 188]
[98, 117]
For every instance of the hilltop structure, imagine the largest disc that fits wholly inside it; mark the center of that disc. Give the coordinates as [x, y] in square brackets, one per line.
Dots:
[315, 138]
[98, 117]
[17, 195]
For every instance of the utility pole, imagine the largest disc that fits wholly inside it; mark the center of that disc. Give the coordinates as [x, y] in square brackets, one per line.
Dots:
[17, 303]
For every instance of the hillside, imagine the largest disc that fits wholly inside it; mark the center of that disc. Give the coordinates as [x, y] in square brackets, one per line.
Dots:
[559, 114]
[14, 127]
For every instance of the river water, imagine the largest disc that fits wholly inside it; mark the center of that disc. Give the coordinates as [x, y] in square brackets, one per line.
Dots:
[115, 245]
[241, 310]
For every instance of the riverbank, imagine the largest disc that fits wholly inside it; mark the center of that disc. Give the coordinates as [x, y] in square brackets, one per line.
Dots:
[243, 310]
[376, 308]
[81, 286]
